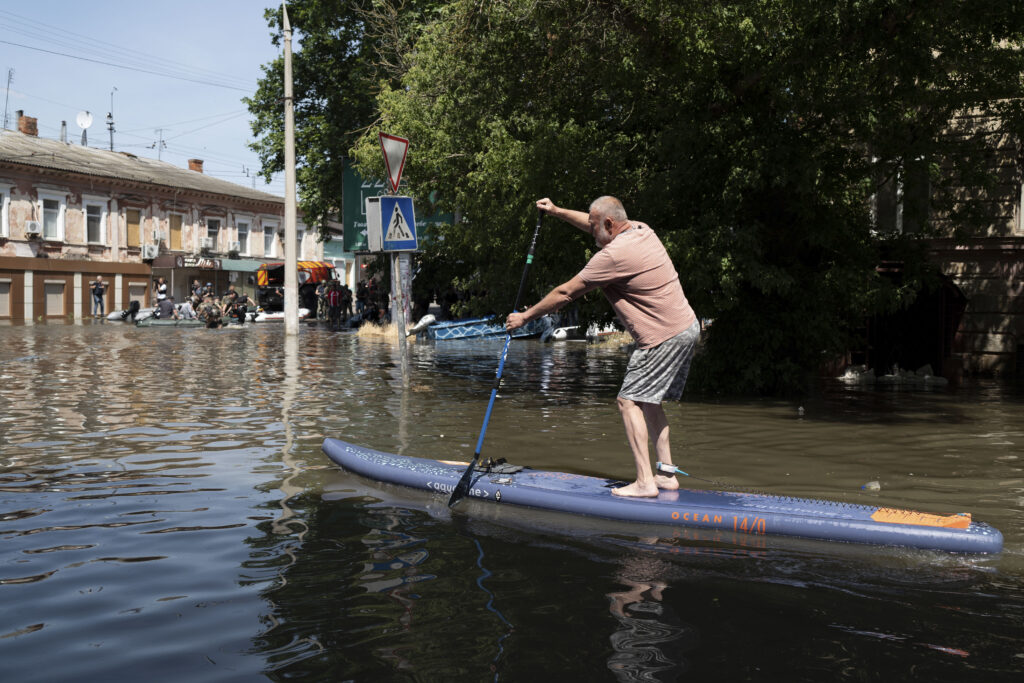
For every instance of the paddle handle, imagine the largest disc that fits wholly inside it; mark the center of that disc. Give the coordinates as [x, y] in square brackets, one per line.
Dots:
[462, 488]
[529, 261]
[508, 338]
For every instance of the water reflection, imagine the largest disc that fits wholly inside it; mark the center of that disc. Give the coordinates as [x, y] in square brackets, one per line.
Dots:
[652, 640]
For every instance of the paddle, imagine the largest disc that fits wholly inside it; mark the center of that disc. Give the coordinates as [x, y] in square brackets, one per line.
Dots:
[462, 488]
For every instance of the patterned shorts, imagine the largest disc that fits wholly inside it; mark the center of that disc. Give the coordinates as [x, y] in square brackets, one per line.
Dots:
[659, 373]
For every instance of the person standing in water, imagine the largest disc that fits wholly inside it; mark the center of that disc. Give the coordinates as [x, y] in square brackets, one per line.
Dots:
[636, 274]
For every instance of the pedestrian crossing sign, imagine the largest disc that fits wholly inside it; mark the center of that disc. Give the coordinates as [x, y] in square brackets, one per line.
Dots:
[398, 224]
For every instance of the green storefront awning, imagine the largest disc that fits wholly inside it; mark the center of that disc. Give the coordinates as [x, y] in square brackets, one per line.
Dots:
[244, 265]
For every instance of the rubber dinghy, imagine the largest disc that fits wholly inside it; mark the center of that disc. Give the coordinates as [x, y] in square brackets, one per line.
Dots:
[732, 511]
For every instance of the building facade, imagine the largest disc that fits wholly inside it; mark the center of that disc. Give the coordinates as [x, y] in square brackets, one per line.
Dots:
[69, 213]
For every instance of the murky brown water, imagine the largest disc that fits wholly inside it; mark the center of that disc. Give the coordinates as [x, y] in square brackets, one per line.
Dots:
[165, 511]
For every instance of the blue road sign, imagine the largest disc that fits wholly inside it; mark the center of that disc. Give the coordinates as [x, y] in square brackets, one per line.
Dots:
[398, 223]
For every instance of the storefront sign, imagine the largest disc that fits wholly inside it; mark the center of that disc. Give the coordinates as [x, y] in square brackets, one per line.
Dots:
[197, 262]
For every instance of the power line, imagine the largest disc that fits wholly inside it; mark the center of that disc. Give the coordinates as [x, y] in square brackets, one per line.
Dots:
[129, 68]
[201, 118]
[209, 125]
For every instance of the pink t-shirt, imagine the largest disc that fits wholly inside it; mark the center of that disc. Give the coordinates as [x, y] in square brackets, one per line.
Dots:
[636, 274]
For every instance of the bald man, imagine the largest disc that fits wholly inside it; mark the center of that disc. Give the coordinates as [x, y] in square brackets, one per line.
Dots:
[635, 273]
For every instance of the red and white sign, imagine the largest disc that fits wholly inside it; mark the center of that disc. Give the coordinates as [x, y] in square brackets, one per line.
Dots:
[395, 149]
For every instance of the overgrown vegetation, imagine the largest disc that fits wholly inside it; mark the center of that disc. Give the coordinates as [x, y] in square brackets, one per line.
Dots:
[750, 134]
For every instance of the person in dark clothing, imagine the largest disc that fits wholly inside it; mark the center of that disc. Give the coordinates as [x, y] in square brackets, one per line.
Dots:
[346, 301]
[362, 294]
[165, 309]
[99, 290]
[237, 307]
[210, 313]
[334, 305]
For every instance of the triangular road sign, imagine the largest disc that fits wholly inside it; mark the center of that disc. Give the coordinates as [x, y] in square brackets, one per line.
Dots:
[398, 229]
[395, 149]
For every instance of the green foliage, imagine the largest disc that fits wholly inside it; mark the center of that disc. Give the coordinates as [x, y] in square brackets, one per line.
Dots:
[751, 134]
[342, 50]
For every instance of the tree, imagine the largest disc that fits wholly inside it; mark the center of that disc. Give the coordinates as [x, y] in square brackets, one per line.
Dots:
[343, 51]
[752, 134]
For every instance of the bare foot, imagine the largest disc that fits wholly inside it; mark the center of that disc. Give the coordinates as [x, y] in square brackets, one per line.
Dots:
[666, 483]
[634, 490]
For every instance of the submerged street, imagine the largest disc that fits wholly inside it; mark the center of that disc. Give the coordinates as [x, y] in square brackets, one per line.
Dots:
[165, 507]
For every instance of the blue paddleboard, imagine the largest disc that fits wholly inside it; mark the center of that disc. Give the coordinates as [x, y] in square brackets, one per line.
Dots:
[732, 511]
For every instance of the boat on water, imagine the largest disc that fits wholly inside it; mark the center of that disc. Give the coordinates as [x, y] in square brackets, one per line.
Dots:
[168, 322]
[276, 316]
[578, 333]
[481, 328]
[254, 315]
[727, 514]
[131, 314]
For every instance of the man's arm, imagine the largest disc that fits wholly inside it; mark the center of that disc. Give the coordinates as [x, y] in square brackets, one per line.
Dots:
[577, 219]
[554, 300]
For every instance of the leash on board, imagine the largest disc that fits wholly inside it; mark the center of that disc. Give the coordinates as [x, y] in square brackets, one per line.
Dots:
[672, 469]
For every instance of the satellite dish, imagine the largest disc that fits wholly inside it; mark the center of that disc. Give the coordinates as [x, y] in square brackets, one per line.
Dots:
[84, 119]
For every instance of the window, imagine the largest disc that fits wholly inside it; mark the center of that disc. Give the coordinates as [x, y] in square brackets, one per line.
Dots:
[5, 230]
[95, 221]
[53, 298]
[175, 220]
[5, 298]
[300, 234]
[52, 208]
[213, 228]
[901, 202]
[133, 224]
[269, 239]
[1019, 226]
[243, 237]
[137, 292]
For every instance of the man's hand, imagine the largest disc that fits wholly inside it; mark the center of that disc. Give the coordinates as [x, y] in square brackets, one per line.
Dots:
[547, 206]
[515, 321]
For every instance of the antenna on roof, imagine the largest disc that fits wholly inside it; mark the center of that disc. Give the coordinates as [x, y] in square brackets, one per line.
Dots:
[159, 145]
[7, 97]
[84, 120]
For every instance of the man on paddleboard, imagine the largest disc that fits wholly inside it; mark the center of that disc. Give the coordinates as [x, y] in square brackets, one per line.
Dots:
[635, 273]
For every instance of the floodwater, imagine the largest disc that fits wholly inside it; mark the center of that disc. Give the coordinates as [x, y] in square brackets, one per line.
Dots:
[166, 513]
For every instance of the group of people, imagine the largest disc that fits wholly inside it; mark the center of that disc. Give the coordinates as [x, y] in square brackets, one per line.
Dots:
[334, 299]
[202, 304]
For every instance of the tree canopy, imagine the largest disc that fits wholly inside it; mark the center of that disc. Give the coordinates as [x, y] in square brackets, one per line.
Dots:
[751, 134]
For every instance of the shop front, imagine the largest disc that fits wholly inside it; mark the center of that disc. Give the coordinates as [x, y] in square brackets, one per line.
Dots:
[181, 271]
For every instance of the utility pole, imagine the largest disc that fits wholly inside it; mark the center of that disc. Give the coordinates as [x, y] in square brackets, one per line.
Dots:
[7, 97]
[291, 290]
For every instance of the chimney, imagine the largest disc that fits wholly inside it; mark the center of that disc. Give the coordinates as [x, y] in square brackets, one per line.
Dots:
[26, 124]
[64, 132]
[195, 165]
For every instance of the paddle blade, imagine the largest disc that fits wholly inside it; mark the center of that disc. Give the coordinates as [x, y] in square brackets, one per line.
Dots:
[462, 488]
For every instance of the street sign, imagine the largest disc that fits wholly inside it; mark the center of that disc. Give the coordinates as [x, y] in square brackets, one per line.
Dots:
[373, 233]
[395, 149]
[355, 191]
[398, 224]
